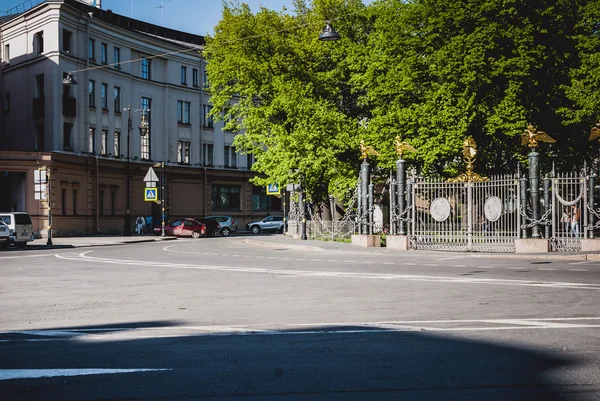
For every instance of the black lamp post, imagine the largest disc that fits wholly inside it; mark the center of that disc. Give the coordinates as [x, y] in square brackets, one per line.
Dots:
[143, 132]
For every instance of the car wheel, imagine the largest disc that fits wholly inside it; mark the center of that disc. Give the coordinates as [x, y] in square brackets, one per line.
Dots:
[195, 234]
[255, 229]
[225, 232]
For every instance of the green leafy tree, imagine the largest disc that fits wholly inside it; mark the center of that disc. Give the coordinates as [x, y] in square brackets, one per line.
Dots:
[441, 70]
[287, 94]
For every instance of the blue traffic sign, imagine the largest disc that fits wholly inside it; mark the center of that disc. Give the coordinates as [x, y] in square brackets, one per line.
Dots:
[150, 194]
[273, 189]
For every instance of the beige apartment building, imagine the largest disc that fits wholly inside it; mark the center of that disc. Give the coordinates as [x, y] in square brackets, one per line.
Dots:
[129, 74]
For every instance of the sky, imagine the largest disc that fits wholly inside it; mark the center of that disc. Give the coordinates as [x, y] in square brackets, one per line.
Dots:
[193, 16]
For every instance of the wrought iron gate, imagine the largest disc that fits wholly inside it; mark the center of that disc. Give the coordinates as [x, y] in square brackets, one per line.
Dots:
[569, 212]
[466, 216]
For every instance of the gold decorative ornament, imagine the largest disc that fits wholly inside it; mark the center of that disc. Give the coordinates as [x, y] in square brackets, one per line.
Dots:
[401, 147]
[469, 152]
[531, 136]
[595, 133]
[366, 150]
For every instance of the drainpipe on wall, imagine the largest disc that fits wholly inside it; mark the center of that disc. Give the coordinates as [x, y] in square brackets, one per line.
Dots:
[97, 196]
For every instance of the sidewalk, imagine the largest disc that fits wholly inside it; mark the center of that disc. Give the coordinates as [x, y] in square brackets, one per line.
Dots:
[76, 242]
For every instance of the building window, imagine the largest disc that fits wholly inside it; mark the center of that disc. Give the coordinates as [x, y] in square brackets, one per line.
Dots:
[117, 144]
[183, 75]
[183, 152]
[145, 140]
[183, 112]
[66, 41]
[117, 99]
[7, 53]
[7, 102]
[39, 136]
[104, 142]
[113, 202]
[63, 201]
[205, 77]
[92, 140]
[117, 57]
[101, 202]
[74, 202]
[92, 93]
[146, 68]
[229, 157]
[249, 160]
[103, 53]
[226, 154]
[207, 121]
[195, 77]
[104, 90]
[67, 130]
[207, 154]
[39, 41]
[39, 86]
[91, 50]
[225, 197]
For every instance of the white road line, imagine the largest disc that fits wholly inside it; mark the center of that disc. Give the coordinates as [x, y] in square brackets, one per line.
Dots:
[28, 256]
[578, 270]
[11, 374]
[388, 263]
[546, 268]
[334, 274]
[514, 268]
[410, 264]
[486, 267]
[333, 260]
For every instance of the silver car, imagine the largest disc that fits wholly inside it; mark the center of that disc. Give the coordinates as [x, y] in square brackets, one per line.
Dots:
[269, 223]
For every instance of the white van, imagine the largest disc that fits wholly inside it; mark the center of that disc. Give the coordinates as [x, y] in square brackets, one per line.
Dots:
[19, 226]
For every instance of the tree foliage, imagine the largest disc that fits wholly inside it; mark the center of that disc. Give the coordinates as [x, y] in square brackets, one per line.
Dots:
[431, 71]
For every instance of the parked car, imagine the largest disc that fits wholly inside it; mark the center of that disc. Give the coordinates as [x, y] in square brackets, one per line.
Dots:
[20, 227]
[4, 235]
[227, 225]
[183, 228]
[212, 226]
[269, 223]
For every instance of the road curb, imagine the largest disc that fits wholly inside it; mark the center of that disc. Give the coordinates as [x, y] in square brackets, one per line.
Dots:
[385, 251]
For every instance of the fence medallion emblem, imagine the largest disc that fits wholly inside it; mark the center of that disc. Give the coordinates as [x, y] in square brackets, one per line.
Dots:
[493, 208]
[440, 209]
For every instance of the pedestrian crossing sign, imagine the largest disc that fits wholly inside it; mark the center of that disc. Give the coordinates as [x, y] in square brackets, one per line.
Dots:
[150, 194]
[273, 189]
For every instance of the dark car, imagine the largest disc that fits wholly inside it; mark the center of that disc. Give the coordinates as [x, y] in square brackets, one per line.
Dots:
[212, 227]
[183, 228]
[269, 223]
[227, 225]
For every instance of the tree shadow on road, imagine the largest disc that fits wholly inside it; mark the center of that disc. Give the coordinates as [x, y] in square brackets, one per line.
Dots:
[321, 363]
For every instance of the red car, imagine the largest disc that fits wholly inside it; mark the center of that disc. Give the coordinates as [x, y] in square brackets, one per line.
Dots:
[183, 228]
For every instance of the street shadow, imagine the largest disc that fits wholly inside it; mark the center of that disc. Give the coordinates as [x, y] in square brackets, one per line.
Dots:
[317, 363]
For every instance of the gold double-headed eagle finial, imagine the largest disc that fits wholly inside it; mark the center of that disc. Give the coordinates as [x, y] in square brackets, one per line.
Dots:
[531, 136]
[469, 152]
[595, 132]
[366, 150]
[401, 147]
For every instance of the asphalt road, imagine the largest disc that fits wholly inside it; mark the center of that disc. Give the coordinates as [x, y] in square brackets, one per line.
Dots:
[221, 319]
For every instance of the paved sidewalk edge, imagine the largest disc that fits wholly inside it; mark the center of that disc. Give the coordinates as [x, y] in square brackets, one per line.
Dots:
[385, 251]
